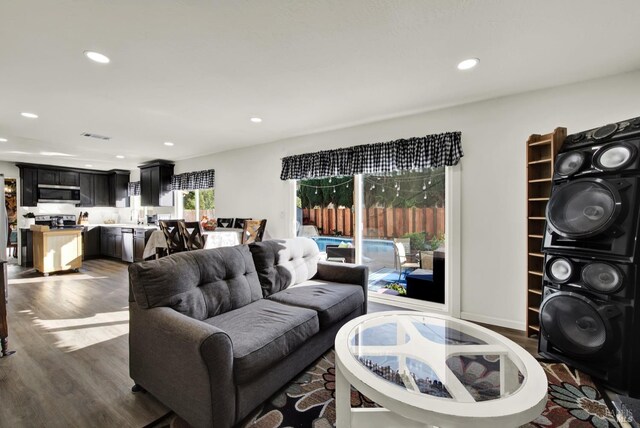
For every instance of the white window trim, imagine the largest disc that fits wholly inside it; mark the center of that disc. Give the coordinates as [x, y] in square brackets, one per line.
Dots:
[453, 266]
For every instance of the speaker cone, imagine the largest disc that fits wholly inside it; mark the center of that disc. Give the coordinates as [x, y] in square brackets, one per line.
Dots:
[614, 157]
[583, 208]
[573, 324]
[602, 277]
[569, 163]
[605, 131]
[559, 270]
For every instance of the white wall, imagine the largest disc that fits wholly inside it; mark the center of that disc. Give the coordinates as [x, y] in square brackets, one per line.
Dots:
[9, 170]
[493, 177]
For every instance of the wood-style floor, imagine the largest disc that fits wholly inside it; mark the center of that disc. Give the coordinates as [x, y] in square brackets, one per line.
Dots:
[71, 368]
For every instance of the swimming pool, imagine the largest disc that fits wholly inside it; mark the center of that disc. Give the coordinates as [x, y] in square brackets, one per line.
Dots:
[369, 245]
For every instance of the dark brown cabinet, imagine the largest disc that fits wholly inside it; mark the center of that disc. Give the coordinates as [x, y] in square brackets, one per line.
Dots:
[91, 242]
[29, 187]
[100, 190]
[86, 189]
[111, 242]
[155, 184]
[97, 188]
[26, 250]
[140, 238]
[119, 189]
[58, 177]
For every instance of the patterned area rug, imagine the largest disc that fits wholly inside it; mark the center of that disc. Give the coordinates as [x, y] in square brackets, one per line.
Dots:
[574, 401]
[308, 401]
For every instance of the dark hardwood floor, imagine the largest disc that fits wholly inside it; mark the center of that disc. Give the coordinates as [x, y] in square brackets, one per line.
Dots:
[70, 332]
[71, 368]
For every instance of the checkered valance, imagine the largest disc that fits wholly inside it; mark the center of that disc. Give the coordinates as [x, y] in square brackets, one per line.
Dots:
[194, 180]
[401, 155]
[134, 188]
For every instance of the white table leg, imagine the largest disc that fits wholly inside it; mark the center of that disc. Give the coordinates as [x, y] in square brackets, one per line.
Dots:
[343, 399]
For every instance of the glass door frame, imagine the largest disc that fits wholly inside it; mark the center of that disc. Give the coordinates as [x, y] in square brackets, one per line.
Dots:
[452, 243]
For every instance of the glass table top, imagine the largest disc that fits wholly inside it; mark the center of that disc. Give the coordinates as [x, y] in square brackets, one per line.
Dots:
[437, 357]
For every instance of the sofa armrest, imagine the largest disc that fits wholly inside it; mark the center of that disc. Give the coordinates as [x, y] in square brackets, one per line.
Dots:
[346, 273]
[186, 363]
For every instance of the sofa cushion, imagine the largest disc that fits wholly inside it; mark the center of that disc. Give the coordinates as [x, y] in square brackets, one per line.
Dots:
[281, 263]
[263, 333]
[332, 301]
[199, 284]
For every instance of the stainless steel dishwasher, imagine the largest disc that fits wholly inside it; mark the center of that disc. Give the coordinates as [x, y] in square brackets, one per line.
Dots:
[127, 244]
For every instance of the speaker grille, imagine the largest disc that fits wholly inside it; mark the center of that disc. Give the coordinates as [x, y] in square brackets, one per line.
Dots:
[602, 277]
[569, 163]
[581, 209]
[573, 325]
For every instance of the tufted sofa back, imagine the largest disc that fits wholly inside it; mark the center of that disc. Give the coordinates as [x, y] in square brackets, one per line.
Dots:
[199, 284]
[281, 263]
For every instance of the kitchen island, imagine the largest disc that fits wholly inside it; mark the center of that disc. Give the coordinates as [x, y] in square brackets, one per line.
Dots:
[57, 249]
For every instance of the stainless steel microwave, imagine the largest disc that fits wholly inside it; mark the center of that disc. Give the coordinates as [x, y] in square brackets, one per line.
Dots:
[58, 194]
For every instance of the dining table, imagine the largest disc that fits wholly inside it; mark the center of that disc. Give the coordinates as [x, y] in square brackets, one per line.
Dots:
[220, 237]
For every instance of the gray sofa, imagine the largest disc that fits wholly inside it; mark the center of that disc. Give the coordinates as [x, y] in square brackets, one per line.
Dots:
[214, 333]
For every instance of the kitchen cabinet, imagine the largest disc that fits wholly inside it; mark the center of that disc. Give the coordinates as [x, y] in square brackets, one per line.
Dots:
[26, 248]
[100, 190]
[58, 177]
[111, 242]
[91, 242]
[86, 189]
[97, 188]
[119, 189]
[29, 187]
[155, 184]
[140, 238]
[48, 254]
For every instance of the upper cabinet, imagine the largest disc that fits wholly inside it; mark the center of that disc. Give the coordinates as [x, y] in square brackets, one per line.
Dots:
[155, 184]
[29, 187]
[119, 188]
[97, 188]
[58, 177]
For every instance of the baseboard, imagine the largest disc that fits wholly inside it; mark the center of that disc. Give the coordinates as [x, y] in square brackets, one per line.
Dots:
[407, 303]
[493, 321]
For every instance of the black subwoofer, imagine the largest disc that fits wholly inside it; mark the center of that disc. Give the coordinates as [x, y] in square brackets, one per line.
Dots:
[595, 336]
[593, 216]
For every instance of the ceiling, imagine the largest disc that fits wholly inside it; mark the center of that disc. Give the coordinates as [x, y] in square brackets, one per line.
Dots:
[193, 72]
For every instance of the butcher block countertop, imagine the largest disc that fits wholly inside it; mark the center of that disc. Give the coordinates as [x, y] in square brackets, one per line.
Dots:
[56, 250]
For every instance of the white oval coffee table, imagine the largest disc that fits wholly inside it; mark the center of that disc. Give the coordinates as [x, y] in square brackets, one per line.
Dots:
[434, 370]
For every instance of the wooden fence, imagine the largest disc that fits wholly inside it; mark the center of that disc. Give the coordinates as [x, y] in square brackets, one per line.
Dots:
[378, 222]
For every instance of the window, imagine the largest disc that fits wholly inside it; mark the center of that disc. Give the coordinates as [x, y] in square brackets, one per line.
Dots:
[197, 204]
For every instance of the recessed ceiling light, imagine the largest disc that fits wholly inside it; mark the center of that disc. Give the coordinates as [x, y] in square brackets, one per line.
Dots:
[120, 156]
[54, 154]
[468, 64]
[88, 165]
[3, 140]
[256, 119]
[29, 115]
[97, 57]
[168, 143]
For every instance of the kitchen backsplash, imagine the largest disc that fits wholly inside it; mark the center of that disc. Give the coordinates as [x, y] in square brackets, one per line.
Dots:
[97, 215]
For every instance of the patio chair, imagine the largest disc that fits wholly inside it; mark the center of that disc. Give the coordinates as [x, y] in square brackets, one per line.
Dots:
[402, 262]
[253, 230]
[12, 240]
[194, 234]
[173, 231]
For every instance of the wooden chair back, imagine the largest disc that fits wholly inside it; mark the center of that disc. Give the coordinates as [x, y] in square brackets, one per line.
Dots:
[253, 231]
[173, 231]
[195, 235]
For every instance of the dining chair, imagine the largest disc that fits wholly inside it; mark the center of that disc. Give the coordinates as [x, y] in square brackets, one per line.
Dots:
[173, 231]
[195, 235]
[225, 222]
[253, 231]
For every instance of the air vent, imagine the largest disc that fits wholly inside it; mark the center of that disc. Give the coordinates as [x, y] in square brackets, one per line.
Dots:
[99, 137]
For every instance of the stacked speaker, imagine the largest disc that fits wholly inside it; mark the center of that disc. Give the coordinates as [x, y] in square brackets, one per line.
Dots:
[590, 312]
